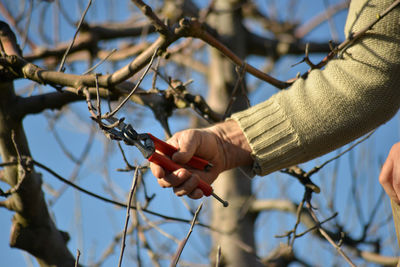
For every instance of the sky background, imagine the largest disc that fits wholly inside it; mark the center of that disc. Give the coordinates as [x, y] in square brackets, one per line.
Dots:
[93, 224]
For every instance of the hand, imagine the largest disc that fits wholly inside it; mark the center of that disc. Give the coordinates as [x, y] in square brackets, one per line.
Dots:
[223, 145]
[390, 174]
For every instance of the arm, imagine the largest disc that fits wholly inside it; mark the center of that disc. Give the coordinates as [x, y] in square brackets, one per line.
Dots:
[333, 106]
[350, 97]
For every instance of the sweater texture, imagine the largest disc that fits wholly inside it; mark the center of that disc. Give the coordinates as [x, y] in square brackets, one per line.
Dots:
[354, 94]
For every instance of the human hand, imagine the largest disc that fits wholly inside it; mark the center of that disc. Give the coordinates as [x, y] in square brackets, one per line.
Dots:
[390, 174]
[223, 145]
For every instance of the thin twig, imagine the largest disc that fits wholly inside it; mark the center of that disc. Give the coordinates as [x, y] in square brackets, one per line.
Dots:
[196, 102]
[119, 204]
[328, 238]
[298, 220]
[153, 225]
[128, 167]
[24, 168]
[155, 21]
[112, 113]
[241, 72]
[306, 58]
[61, 67]
[218, 258]
[98, 100]
[327, 14]
[100, 62]
[317, 168]
[10, 18]
[178, 253]
[78, 254]
[316, 226]
[78, 165]
[154, 80]
[90, 105]
[355, 36]
[128, 210]
[111, 247]
[28, 23]
[193, 28]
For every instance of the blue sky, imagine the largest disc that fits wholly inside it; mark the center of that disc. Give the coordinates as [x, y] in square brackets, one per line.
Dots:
[98, 222]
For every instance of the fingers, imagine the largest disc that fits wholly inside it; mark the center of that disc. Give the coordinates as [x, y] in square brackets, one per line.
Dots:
[189, 187]
[157, 170]
[389, 178]
[183, 182]
[187, 142]
[385, 179]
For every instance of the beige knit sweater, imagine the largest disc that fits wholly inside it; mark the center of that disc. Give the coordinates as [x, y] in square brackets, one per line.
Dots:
[351, 96]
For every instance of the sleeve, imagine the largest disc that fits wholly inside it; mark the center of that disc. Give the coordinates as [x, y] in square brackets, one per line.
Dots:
[351, 96]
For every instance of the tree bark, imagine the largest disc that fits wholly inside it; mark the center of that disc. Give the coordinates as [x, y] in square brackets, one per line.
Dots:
[32, 228]
[237, 247]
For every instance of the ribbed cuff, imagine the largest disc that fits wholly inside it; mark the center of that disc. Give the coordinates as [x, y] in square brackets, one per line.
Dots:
[273, 140]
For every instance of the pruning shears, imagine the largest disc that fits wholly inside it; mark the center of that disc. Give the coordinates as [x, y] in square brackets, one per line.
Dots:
[149, 146]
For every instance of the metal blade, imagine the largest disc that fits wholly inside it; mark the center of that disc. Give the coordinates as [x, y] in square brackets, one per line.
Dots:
[113, 120]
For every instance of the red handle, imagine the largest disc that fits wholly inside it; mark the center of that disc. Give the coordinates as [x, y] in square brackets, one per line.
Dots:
[206, 188]
[164, 162]
[171, 166]
[167, 149]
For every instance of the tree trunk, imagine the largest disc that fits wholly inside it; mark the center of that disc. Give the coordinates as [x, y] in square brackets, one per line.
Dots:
[32, 228]
[237, 247]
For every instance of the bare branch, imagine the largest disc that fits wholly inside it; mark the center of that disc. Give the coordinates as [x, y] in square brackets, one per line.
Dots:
[61, 67]
[354, 37]
[153, 225]
[78, 254]
[307, 27]
[100, 62]
[88, 41]
[155, 20]
[193, 28]
[59, 177]
[11, 19]
[328, 238]
[178, 253]
[128, 210]
[317, 168]
[112, 113]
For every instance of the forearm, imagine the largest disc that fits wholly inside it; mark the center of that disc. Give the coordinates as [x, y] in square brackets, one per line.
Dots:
[350, 97]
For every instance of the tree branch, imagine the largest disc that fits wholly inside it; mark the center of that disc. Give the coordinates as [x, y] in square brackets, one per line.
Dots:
[181, 246]
[90, 36]
[61, 67]
[307, 27]
[261, 46]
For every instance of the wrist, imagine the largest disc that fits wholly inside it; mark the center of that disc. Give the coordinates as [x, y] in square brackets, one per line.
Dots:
[234, 144]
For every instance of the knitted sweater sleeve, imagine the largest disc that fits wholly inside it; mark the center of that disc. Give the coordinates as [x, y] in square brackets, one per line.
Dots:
[351, 96]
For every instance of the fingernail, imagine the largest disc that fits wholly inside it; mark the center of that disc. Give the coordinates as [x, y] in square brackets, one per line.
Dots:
[180, 174]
